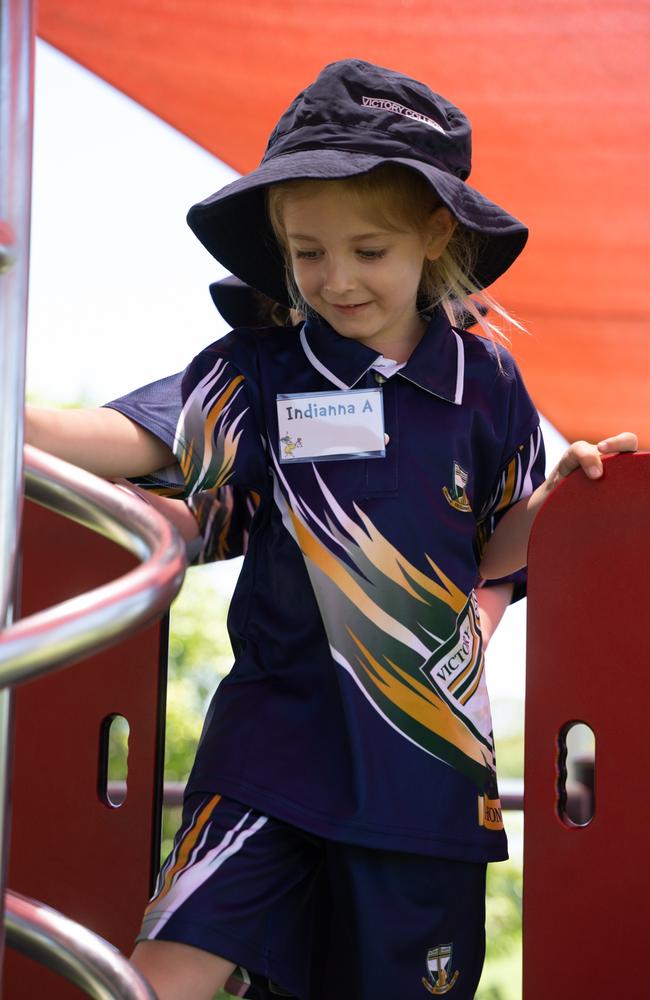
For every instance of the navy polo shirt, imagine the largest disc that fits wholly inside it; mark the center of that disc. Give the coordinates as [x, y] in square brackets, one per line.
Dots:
[356, 707]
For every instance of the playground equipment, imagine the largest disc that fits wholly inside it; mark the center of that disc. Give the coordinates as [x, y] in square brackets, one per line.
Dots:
[66, 833]
[574, 877]
[587, 886]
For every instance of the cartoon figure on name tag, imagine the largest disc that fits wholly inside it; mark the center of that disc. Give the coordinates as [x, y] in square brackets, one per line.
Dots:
[290, 445]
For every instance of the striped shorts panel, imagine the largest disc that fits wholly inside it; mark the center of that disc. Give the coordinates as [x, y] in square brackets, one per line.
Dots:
[239, 884]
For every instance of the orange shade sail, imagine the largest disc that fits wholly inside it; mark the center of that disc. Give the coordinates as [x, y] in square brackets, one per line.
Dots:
[558, 93]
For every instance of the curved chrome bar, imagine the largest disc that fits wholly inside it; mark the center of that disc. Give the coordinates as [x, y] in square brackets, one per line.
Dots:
[66, 632]
[86, 959]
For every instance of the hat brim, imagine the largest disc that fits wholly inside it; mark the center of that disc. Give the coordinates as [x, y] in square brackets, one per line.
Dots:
[233, 225]
[237, 302]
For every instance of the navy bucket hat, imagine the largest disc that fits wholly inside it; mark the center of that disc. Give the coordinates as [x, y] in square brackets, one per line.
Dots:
[238, 303]
[353, 118]
[241, 305]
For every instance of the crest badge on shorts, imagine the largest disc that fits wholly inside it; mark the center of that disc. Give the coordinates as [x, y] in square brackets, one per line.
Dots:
[439, 981]
[456, 496]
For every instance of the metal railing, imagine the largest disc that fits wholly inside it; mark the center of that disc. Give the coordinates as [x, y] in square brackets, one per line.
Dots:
[66, 632]
[84, 958]
[63, 634]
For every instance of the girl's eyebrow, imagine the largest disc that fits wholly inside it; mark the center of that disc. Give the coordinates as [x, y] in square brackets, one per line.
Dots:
[359, 236]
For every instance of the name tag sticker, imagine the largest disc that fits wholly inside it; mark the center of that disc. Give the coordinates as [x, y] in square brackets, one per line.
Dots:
[331, 425]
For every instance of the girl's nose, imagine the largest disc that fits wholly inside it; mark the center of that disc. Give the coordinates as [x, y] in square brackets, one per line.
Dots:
[338, 277]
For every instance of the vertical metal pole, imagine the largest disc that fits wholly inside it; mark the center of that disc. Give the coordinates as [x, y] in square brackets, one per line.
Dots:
[16, 121]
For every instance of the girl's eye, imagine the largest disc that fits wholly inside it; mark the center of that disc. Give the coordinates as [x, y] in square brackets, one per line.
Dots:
[306, 254]
[371, 254]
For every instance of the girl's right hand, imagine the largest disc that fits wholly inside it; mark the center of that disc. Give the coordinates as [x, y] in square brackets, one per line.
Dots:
[176, 511]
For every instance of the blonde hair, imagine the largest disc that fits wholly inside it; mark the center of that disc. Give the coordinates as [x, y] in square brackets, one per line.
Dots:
[397, 195]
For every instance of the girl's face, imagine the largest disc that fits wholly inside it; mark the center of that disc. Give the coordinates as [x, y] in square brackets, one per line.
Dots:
[359, 275]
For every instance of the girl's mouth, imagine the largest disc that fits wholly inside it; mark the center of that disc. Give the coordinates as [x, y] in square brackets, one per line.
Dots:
[351, 309]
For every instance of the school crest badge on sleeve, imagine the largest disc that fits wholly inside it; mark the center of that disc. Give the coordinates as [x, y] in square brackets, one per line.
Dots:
[439, 980]
[456, 496]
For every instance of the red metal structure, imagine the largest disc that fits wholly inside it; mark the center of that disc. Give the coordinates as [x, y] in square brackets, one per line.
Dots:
[587, 889]
[68, 847]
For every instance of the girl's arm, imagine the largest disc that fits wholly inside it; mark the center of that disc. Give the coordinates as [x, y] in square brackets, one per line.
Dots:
[99, 440]
[175, 511]
[507, 548]
[492, 602]
[214, 525]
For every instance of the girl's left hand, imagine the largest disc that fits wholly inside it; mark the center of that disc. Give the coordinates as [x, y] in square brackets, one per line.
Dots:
[587, 456]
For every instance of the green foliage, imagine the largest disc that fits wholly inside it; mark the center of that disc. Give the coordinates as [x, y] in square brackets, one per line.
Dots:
[199, 656]
[118, 755]
[501, 979]
[504, 902]
[184, 720]
[199, 648]
[510, 755]
[171, 820]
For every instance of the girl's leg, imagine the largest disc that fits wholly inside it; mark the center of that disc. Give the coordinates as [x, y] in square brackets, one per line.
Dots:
[236, 890]
[180, 972]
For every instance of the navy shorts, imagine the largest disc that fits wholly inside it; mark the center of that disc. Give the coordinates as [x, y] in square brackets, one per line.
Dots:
[316, 919]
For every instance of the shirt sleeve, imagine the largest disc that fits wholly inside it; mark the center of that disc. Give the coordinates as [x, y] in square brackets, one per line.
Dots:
[223, 516]
[204, 415]
[517, 478]
[520, 472]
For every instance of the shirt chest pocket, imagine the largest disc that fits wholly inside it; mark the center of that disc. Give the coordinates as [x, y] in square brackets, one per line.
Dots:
[380, 476]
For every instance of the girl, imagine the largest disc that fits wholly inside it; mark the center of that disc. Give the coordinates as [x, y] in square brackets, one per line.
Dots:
[343, 801]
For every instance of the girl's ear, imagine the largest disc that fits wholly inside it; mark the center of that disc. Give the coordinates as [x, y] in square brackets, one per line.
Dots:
[440, 228]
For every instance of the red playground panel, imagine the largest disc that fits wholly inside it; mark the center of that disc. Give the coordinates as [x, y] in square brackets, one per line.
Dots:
[70, 849]
[587, 888]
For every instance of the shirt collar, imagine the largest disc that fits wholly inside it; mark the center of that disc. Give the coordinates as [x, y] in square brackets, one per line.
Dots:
[437, 364]
[342, 361]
